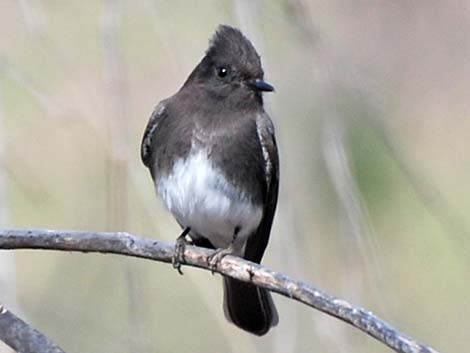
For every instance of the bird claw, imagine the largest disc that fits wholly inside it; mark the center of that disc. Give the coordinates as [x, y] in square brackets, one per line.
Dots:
[178, 257]
[180, 246]
[214, 259]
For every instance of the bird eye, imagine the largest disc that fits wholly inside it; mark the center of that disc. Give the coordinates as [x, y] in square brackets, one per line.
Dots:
[222, 72]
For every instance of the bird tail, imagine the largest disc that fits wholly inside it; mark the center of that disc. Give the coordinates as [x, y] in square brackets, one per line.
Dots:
[249, 307]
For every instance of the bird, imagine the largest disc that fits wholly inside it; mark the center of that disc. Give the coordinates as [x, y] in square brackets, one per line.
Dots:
[211, 151]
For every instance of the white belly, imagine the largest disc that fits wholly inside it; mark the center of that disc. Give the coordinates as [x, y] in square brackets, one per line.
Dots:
[199, 197]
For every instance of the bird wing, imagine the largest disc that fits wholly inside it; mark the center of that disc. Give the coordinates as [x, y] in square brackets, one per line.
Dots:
[258, 241]
[146, 146]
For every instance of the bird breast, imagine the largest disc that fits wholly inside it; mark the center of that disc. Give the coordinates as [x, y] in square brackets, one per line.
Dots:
[200, 197]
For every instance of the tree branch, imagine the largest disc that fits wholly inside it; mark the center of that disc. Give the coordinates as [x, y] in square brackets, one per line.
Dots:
[130, 245]
[23, 338]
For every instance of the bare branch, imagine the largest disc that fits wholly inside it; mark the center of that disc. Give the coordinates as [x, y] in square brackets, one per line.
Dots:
[23, 338]
[130, 245]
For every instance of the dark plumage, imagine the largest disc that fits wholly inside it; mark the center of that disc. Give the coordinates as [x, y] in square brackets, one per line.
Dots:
[212, 153]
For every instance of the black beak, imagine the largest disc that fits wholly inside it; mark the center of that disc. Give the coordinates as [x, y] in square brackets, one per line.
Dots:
[261, 86]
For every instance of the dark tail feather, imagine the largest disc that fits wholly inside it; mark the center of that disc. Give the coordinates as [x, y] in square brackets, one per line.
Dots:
[249, 307]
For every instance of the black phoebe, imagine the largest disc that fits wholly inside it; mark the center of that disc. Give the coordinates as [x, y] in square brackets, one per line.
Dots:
[212, 154]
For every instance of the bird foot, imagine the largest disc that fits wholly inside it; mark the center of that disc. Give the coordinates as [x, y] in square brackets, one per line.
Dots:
[180, 246]
[214, 259]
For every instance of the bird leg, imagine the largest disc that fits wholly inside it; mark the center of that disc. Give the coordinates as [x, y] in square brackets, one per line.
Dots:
[214, 259]
[178, 257]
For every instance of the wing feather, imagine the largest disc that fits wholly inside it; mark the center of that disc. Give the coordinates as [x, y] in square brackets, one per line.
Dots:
[147, 140]
[258, 241]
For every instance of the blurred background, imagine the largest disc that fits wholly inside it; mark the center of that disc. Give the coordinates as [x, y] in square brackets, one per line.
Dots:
[372, 115]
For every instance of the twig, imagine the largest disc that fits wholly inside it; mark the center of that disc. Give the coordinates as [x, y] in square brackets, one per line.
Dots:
[127, 244]
[23, 338]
